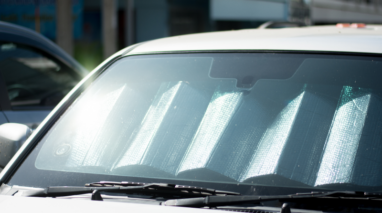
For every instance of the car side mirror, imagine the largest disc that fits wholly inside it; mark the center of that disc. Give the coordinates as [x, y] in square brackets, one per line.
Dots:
[12, 136]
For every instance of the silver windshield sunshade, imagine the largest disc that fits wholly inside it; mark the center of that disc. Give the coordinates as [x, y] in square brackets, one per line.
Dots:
[85, 151]
[292, 146]
[171, 118]
[164, 130]
[241, 137]
[222, 107]
[271, 145]
[352, 152]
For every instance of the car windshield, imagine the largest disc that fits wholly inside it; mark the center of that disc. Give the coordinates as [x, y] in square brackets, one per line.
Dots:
[222, 120]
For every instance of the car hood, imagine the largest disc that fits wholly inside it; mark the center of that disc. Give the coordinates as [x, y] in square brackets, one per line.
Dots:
[34, 204]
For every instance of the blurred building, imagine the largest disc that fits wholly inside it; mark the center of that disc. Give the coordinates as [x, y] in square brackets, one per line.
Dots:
[334, 11]
[101, 27]
[161, 18]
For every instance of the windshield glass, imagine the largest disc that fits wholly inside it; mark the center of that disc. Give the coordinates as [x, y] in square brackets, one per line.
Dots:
[228, 119]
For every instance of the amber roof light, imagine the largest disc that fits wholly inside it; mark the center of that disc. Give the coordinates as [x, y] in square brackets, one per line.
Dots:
[358, 25]
[353, 25]
[343, 25]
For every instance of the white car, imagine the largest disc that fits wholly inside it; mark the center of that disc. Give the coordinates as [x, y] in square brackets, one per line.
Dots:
[271, 120]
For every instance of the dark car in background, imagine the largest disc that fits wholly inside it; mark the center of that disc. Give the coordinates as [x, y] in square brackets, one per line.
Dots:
[35, 74]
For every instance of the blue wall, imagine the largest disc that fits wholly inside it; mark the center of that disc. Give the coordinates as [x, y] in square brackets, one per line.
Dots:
[23, 13]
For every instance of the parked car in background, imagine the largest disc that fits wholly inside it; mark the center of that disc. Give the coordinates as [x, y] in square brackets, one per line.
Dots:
[281, 120]
[35, 74]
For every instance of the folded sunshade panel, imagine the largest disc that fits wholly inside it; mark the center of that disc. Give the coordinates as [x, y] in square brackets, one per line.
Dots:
[122, 122]
[353, 148]
[241, 137]
[300, 158]
[81, 154]
[267, 154]
[292, 145]
[177, 128]
[167, 127]
[102, 137]
[222, 107]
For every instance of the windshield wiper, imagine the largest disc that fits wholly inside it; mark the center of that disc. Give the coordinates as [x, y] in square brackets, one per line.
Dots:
[128, 187]
[214, 201]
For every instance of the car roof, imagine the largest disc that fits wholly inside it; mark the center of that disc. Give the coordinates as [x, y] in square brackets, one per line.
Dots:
[318, 38]
[14, 33]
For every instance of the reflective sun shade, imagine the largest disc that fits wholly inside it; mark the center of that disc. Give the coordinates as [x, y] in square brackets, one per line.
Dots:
[270, 119]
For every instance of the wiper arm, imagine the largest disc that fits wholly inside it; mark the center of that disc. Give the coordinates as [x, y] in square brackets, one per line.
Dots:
[188, 189]
[213, 201]
[128, 187]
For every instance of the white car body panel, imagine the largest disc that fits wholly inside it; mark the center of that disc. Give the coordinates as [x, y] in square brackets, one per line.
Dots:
[83, 204]
[48, 205]
[326, 38]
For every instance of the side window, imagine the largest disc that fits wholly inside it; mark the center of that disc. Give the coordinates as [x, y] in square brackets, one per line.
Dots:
[33, 80]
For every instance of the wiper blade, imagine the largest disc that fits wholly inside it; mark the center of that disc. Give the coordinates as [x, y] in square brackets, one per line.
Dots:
[129, 187]
[213, 201]
[188, 189]
[114, 183]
